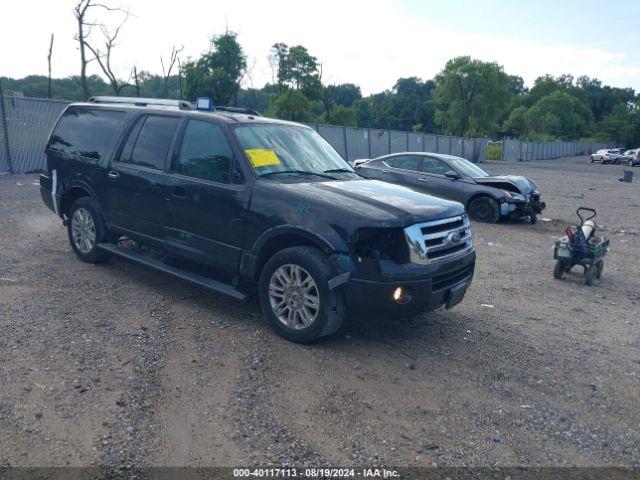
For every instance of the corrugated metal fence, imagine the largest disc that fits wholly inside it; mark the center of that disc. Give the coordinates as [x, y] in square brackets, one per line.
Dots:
[29, 121]
[517, 151]
[354, 143]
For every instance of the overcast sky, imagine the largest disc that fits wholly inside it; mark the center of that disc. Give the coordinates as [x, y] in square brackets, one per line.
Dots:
[370, 43]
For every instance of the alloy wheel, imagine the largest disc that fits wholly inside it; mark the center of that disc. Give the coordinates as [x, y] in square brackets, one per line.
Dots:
[294, 296]
[83, 230]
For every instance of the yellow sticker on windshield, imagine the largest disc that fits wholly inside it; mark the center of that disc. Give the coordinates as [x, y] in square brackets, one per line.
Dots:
[261, 157]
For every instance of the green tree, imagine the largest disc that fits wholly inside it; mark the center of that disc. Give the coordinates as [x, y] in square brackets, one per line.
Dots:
[297, 69]
[472, 96]
[618, 126]
[338, 95]
[290, 105]
[342, 115]
[217, 73]
[556, 115]
[516, 124]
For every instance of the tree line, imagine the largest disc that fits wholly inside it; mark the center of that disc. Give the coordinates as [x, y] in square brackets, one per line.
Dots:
[468, 97]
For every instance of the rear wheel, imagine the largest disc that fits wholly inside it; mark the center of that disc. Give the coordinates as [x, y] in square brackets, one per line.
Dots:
[295, 295]
[86, 228]
[591, 275]
[484, 209]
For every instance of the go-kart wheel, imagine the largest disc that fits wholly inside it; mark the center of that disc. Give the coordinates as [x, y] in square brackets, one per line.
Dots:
[590, 275]
[559, 270]
[600, 266]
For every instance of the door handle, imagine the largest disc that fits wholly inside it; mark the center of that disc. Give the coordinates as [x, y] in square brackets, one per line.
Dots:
[179, 192]
[422, 179]
[113, 175]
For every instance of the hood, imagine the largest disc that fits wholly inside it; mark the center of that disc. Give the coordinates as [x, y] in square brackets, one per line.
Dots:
[383, 204]
[523, 185]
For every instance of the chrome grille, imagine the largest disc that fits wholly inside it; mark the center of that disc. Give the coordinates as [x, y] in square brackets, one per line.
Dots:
[439, 240]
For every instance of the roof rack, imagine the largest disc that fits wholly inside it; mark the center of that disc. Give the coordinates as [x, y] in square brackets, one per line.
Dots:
[161, 102]
[247, 111]
[143, 102]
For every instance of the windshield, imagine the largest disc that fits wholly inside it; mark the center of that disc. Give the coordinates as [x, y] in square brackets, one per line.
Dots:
[273, 148]
[466, 168]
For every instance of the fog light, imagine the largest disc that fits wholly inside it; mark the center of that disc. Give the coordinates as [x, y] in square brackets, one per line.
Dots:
[398, 293]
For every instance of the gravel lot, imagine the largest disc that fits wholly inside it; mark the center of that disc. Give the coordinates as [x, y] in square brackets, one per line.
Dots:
[121, 366]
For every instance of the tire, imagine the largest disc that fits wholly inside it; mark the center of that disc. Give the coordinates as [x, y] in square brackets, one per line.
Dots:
[600, 266]
[559, 270]
[86, 228]
[590, 275]
[592, 160]
[310, 263]
[484, 209]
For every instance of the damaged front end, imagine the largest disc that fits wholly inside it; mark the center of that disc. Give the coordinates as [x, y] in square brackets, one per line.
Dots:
[521, 206]
[408, 270]
[520, 196]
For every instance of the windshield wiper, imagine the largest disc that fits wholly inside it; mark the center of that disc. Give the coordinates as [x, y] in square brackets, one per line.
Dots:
[339, 170]
[298, 171]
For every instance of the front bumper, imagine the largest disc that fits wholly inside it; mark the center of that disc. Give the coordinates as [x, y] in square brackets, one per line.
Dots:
[427, 287]
[520, 209]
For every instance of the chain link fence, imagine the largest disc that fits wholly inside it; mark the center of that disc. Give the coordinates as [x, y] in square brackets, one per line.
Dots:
[25, 124]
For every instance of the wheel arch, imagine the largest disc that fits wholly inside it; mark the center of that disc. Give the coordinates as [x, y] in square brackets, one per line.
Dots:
[72, 193]
[477, 195]
[279, 238]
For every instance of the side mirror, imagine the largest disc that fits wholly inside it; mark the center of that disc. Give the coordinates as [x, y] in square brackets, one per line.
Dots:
[452, 175]
[358, 163]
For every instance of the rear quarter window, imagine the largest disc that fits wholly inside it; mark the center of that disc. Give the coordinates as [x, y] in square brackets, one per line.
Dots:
[87, 132]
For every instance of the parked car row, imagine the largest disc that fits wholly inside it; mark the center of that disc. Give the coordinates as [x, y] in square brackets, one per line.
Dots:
[617, 156]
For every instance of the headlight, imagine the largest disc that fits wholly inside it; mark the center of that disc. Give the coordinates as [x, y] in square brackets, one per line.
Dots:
[381, 244]
[514, 196]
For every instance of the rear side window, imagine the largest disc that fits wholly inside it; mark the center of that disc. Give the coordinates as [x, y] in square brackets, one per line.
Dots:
[205, 152]
[405, 162]
[149, 141]
[87, 132]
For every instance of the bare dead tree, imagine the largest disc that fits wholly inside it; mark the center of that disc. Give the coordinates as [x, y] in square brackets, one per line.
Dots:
[166, 71]
[104, 57]
[248, 75]
[180, 79]
[81, 13]
[136, 81]
[84, 29]
[49, 63]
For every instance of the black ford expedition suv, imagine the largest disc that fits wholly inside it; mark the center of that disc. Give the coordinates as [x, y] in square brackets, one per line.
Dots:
[239, 203]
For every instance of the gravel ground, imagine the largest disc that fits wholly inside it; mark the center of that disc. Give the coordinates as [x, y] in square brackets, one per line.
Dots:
[120, 366]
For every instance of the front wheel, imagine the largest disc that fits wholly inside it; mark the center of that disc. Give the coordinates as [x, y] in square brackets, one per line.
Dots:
[559, 270]
[484, 209]
[590, 275]
[600, 269]
[86, 229]
[295, 296]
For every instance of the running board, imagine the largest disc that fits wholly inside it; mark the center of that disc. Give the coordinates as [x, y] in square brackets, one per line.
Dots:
[203, 281]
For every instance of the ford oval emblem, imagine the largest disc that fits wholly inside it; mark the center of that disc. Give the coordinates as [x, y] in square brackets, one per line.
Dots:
[454, 237]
